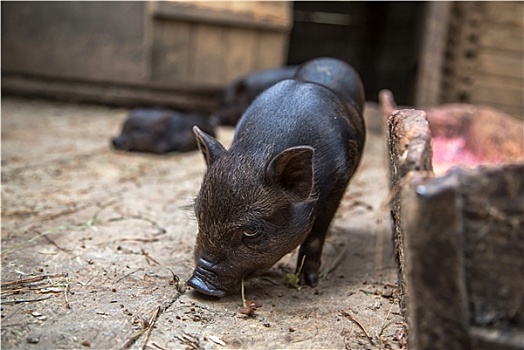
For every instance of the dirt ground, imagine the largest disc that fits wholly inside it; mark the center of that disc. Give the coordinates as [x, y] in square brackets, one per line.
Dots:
[95, 240]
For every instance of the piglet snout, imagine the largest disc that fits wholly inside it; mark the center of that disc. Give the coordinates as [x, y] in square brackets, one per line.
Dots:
[119, 142]
[204, 280]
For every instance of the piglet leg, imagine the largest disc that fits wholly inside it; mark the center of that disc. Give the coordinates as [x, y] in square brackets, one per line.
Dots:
[311, 248]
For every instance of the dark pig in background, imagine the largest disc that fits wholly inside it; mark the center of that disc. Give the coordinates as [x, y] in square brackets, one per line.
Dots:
[281, 181]
[239, 94]
[160, 131]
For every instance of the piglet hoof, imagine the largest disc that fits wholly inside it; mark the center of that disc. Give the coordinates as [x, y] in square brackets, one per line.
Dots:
[309, 273]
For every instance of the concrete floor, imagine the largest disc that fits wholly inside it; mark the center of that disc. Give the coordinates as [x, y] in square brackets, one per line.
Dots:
[93, 241]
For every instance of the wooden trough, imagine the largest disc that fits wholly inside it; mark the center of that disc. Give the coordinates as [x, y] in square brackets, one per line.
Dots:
[459, 236]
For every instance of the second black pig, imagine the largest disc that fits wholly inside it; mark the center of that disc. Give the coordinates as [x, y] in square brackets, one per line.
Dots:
[239, 94]
[160, 131]
[281, 181]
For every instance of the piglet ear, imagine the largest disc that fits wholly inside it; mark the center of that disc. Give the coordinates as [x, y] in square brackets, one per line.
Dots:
[208, 145]
[293, 170]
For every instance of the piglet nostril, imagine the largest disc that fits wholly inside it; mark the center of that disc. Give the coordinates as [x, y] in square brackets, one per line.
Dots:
[202, 284]
[205, 278]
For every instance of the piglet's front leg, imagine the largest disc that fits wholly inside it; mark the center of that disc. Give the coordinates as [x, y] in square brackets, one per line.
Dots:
[308, 262]
[311, 249]
[310, 253]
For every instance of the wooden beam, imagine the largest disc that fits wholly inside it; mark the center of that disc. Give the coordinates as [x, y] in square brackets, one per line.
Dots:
[432, 56]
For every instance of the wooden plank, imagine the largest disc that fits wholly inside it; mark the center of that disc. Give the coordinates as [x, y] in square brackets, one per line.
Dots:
[271, 50]
[509, 13]
[498, 37]
[89, 40]
[217, 51]
[494, 245]
[499, 64]
[461, 51]
[241, 52]
[438, 317]
[265, 15]
[178, 96]
[405, 157]
[501, 93]
[208, 52]
[497, 93]
[171, 61]
[511, 82]
[432, 58]
[516, 112]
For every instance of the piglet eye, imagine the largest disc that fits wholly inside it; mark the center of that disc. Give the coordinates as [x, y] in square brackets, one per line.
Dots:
[250, 233]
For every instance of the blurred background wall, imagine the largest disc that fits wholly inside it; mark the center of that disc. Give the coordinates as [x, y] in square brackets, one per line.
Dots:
[181, 53]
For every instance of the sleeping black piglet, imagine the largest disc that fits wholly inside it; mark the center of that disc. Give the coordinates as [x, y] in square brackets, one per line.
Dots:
[160, 131]
[280, 183]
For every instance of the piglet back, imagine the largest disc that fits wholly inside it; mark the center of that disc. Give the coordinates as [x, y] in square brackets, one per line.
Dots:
[336, 75]
[343, 80]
